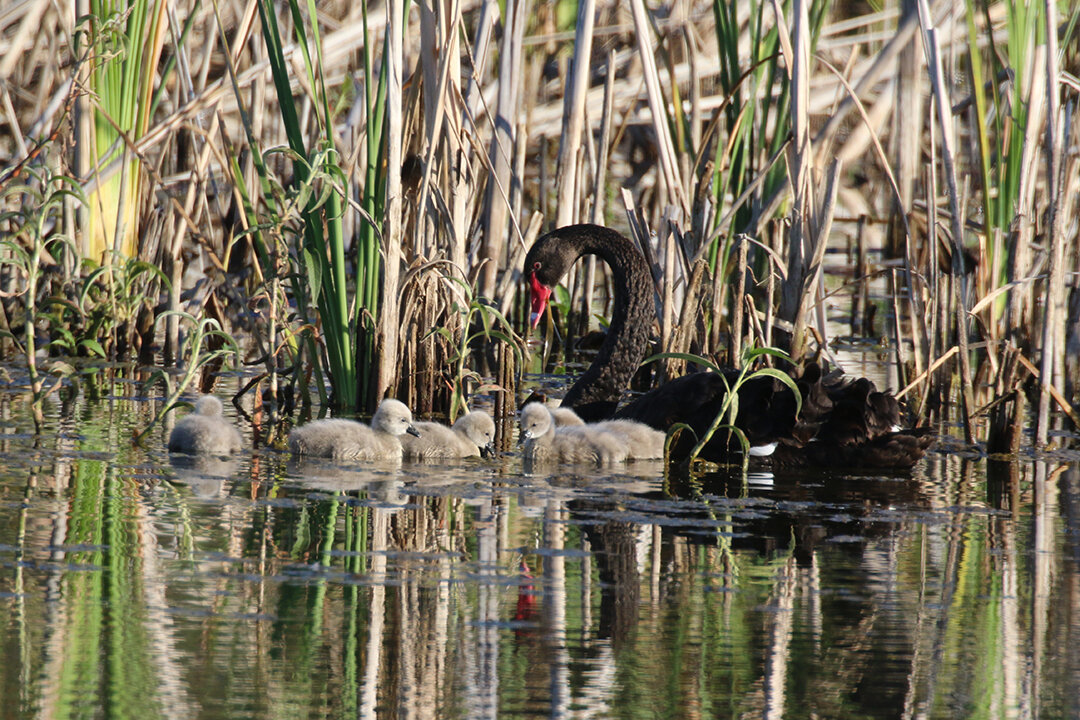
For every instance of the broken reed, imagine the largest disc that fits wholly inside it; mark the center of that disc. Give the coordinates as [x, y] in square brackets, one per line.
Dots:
[718, 147]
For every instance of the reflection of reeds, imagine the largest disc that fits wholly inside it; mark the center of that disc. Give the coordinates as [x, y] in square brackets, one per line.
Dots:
[721, 119]
[948, 589]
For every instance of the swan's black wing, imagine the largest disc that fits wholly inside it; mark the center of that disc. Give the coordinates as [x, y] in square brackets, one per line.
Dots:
[843, 422]
[766, 408]
[858, 428]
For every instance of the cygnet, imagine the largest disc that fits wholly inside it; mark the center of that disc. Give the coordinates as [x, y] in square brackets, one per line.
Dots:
[565, 417]
[573, 444]
[473, 434]
[351, 440]
[205, 431]
[642, 441]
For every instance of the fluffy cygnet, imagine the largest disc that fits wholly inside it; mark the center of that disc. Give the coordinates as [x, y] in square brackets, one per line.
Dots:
[473, 434]
[573, 444]
[205, 431]
[642, 441]
[351, 440]
[565, 417]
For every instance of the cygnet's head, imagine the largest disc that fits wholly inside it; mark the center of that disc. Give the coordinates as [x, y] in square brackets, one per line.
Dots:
[535, 420]
[480, 429]
[209, 406]
[394, 417]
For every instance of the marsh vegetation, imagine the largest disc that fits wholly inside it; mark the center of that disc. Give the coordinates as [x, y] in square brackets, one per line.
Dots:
[351, 193]
[312, 207]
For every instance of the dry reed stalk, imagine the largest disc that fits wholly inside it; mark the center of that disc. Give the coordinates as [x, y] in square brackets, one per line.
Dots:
[898, 329]
[392, 231]
[811, 292]
[861, 299]
[927, 373]
[1005, 428]
[505, 407]
[735, 331]
[502, 145]
[907, 116]
[1021, 301]
[938, 332]
[797, 53]
[940, 93]
[690, 318]
[1055, 295]
[658, 108]
[596, 212]
[667, 317]
[919, 335]
[567, 178]
[440, 62]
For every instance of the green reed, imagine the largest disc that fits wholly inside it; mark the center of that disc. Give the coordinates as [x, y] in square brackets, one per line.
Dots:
[729, 409]
[126, 38]
[1001, 134]
[489, 324]
[32, 237]
[319, 186]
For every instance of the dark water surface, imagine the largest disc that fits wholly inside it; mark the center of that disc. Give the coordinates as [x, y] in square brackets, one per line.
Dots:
[134, 585]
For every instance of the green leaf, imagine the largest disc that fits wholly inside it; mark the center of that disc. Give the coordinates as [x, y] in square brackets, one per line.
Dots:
[313, 265]
[688, 357]
[752, 353]
[786, 379]
[93, 346]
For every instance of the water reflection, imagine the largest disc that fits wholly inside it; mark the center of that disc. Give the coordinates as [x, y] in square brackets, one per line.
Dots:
[135, 584]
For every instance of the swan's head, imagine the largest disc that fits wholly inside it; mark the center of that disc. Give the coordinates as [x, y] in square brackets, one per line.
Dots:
[394, 417]
[535, 420]
[548, 260]
[480, 429]
[209, 406]
[552, 256]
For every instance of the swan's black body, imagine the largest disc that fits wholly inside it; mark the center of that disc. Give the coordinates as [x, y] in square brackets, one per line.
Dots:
[843, 423]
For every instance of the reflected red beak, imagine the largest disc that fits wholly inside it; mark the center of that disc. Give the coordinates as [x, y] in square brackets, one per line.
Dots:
[539, 295]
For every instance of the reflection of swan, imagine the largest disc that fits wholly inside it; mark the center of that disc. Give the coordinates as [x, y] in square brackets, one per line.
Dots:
[843, 422]
[351, 440]
[572, 444]
[205, 431]
[473, 434]
[204, 474]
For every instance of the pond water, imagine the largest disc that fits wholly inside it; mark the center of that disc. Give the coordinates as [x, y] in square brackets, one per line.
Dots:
[135, 585]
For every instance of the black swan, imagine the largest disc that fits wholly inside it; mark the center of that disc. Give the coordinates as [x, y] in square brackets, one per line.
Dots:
[844, 422]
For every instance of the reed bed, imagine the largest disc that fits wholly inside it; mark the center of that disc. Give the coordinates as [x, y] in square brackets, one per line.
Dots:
[350, 189]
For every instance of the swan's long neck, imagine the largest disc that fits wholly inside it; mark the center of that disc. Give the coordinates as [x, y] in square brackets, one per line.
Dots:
[597, 392]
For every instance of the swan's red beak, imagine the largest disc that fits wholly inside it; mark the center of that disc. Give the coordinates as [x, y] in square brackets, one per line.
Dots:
[539, 294]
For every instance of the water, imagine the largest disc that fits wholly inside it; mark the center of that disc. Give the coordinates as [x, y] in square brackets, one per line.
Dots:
[134, 585]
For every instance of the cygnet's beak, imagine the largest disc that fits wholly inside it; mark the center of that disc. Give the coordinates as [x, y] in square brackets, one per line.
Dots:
[488, 451]
[413, 431]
